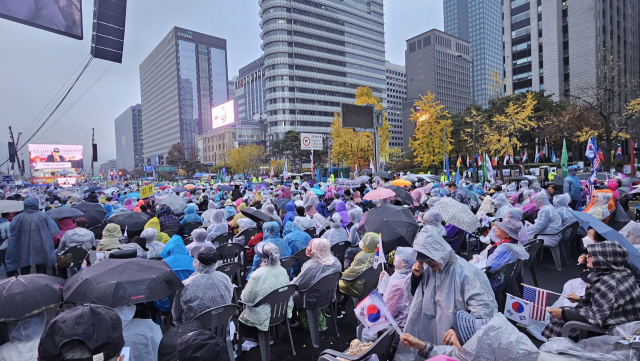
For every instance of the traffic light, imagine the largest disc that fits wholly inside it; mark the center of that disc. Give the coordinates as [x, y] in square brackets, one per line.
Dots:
[119, 173]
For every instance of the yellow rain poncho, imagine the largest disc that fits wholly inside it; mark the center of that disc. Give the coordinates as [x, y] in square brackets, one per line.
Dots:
[361, 262]
[155, 224]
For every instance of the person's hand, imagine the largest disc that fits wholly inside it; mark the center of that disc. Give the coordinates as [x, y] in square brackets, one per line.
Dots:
[555, 312]
[382, 274]
[569, 201]
[451, 339]
[582, 259]
[410, 341]
[418, 269]
[573, 298]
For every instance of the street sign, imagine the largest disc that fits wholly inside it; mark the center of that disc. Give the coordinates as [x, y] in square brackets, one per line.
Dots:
[310, 141]
[148, 168]
[146, 191]
[273, 163]
[166, 169]
[7, 179]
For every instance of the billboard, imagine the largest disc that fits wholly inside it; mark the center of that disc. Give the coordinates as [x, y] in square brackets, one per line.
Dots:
[62, 17]
[222, 115]
[357, 116]
[55, 156]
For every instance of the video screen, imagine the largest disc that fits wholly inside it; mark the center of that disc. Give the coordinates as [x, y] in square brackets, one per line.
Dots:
[222, 115]
[62, 17]
[66, 182]
[55, 156]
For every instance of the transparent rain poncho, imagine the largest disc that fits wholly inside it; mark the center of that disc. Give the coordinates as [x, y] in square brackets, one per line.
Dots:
[154, 247]
[205, 291]
[218, 224]
[355, 215]
[561, 203]
[200, 239]
[632, 233]
[395, 292]
[206, 215]
[547, 222]
[336, 234]
[433, 218]
[501, 203]
[600, 210]
[320, 264]
[24, 337]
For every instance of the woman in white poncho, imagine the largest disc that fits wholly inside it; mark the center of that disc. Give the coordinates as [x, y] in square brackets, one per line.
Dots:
[218, 224]
[548, 220]
[320, 264]
[336, 234]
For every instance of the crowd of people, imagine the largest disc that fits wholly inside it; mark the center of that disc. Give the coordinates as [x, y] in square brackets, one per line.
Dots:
[445, 304]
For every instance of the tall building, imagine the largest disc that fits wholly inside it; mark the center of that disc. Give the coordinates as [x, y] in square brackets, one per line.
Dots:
[316, 53]
[250, 95]
[396, 94]
[182, 79]
[108, 166]
[129, 149]
[439, 63]
[559, 45]
[479, 23]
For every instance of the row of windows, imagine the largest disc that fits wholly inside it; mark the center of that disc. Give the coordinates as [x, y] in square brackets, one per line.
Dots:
[324, 92]
[325, 81]
[303, 101]
[357, 18]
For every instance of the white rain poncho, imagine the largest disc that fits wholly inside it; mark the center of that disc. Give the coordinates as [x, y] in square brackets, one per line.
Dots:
[142, 336]
[206, 215]
[271, 210]
[243, 225]
[24, 337]
[355, 216]
[304, 223]
[511, 188]
[433, 218]
[76, 237]
[270, 276]
[204, 291]
[600, 210]
[502, 204]
[632, 233]
[154, 248]
[498, 340]
[218, 224]
[547, 222]
[320, 264]
[457, 285]
[336, 234]
[395, 290]
[561, 203]
[199, 237]
[524, 186]
[526, 196]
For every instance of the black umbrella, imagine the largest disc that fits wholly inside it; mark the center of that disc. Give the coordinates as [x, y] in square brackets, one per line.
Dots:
[120, 282]
[256, 215]
[365, 172]
[396, 224]
[93, 212]
[168, 348]
[92, 189]
[282, 202]
[22, 296]
[402, 195]
[133, 221]
[63, 212]
[225, 188]
[383, 174]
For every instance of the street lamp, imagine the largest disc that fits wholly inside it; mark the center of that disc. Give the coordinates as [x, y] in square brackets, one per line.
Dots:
[473, 101]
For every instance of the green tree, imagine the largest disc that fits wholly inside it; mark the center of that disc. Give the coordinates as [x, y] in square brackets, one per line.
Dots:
[428, 141]
[176, 155]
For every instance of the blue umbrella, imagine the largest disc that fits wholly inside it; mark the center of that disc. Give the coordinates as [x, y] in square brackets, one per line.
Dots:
[317, 191]
[586, 220]
[133, 195]
[262, 187]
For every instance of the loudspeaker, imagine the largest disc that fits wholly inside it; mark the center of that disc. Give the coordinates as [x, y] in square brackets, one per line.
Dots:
[12, 152]
[95, 153]
[107, 40]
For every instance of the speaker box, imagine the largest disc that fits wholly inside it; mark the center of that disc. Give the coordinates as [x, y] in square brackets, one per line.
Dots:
[95, 153]
[12, 152]
[107, 40]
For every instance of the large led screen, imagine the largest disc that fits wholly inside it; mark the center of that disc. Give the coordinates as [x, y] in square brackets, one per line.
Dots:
[55, 156]
[222, 115]
[62, 17]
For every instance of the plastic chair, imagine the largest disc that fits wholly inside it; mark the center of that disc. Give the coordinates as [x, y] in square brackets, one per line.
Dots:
[323, 232]
[324, 291]
[339, 249]
[170, 230]
[288, 262]
[248, 234]
[555, 250]
[370, 278]
[190, 227]
[381, 348]
[510, 271]
[473, 246]
[223, 238]
[278, 300]
[583, 327]
[532, 247]
[301, 255]
[217, 321]
[230, 252]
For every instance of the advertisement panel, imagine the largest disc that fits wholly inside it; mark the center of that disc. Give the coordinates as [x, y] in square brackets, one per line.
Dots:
[222, 115]
[55, 156]
[62, 17]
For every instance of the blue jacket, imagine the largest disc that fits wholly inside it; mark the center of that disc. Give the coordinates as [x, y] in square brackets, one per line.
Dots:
[571, 186]
[190, 216]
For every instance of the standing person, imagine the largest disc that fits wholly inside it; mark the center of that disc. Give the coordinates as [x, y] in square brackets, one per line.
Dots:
[571, 186]
[79, 236]
[458, 194]
[31, 241]
[235, 193]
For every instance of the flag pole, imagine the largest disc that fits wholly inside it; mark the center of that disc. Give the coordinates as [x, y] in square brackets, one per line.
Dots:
[542, 289]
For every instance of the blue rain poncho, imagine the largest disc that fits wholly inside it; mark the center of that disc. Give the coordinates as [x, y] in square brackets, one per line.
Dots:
[547, 222]
[295, 238]
[230, 212]
[109, 209]
[190, 215]
[175, 254]
[291, 213]
[271, 233]
[31, 238]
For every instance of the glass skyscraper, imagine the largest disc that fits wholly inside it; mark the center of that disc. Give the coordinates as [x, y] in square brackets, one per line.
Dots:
[316, 53]
[182, 79]
[480, 23]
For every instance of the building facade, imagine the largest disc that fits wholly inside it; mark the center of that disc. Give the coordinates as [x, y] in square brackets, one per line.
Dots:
[129, 144]
[107, 167]
[316, 54]
[439, 63]
[559, 46]
[479, 23]
[249, 91]
[396, 94]
[182, 79]
[215, 144]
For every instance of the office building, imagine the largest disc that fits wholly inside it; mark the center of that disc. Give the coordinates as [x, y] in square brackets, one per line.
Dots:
[559, 46]
[108, 166]
[129, 145]
[216, 144]
[396, 94]
[182, 79]
[316, 54]
[250, 95]
[439, 63]
[479, 23]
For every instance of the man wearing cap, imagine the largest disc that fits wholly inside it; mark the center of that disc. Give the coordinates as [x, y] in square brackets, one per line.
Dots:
[505, 251]
[571, 186]
[55, 156]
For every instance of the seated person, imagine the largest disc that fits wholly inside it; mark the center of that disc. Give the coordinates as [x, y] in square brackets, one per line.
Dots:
[79, 236]
[111, 235]
[199, 236]
[336, 234]
[295, 238]
[632, 233]
[361, 262]
[600, 208]
[320, 264]
[190, 215]
[154, 248]
[141, 335]
[271, 234]
[218, 225]
[548, 220]
[243, 225]
[506, 250]
[303, 221]
[166, 217]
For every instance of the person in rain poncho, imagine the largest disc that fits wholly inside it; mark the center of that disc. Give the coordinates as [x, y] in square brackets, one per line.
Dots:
[24, 337]
[502, 204]
[445, 284]
[321, 218]
[547, 222]
[237, 217]
[341, 209]
[142, 336]
[571, 187]
[176, 256]
[336, 234]
[295, 238]
[600, 210]
[109, 209]
[270, 276]
[155, 224]
[506, 250]
[30, 240]
[65, 224]
[79, 236]
[303, 221]
[290, 214]
[270, 234]
[433, 218]
[355, 216]
[271, 210]
[632, 233]
[190, 215]
[561, 203]
[611, 298]
[154, 247]
[199, 236]
[526, 196]
[218, 225]
[309, 202]
[206, 215]
[166, 217]
[320, 264]
[203, 290]
[364, 259]
[229, 209]
[258, 199]
[110, 237]
[243, 225]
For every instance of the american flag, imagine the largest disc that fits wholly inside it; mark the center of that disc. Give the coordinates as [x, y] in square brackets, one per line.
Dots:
[539, 299]
[83, 265]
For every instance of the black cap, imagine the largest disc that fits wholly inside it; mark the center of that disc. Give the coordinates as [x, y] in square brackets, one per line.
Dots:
[201, 346]
[208, 256]
[99, 327]
[56, 150]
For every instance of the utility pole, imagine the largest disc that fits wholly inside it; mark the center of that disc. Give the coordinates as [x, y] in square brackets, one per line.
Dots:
[93, 141]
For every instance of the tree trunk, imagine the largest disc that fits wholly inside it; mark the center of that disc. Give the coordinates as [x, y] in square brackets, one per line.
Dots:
[606, 151]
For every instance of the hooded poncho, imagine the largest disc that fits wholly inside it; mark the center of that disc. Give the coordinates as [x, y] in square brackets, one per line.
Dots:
[361, 262]
[341, 208]
[110, 237]
[190, 216]
[320, 265]
[547, 222]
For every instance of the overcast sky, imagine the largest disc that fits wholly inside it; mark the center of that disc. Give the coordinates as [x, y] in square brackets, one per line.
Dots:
[34, 64]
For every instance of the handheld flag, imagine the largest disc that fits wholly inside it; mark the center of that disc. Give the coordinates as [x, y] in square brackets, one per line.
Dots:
[125, 231]
[553, 156]
[379, 258]
[590, 153]
[374, 314]
[600, 155]
[619, 152]
[564, 159]
[524, 157]
[459, 162]
[285, 173]
[517, 309]
[539, 298]
[447, 166]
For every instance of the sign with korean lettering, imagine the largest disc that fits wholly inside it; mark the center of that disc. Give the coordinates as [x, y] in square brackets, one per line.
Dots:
[146, 191]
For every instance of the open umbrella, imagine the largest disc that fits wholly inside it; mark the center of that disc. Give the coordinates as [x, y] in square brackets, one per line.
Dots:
[225, 188]
[383, 174]
[471, 195]
[176, 203]
[63, 212]
[23, 296]
[586, 220]
[411, 178]
[179, 189]
[134, 221]
[92, 189]
[626, 182]
[362, 179]
[347, 183]
[365, 172]
[262, 187]
[396, 224]
[11, 206]
[401, 182]
[268, 180]
[135, 195]
[380, 193]
[120, 282]
[189, 186]
[256, 215]
[458, 214]
[93, 212]
[402, 195]
[281, 203]
[317, 191]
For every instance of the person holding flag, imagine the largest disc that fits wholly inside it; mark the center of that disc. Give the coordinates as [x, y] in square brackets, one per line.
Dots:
[363, 260]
